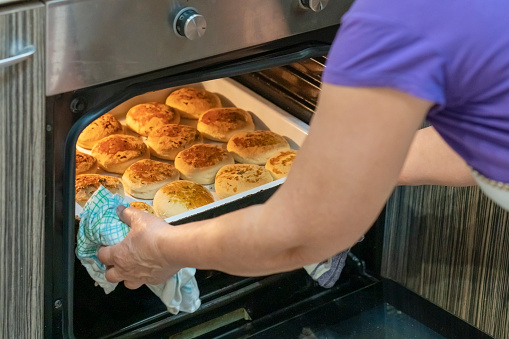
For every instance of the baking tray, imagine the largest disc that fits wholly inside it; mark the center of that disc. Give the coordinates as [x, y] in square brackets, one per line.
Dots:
[266, 116]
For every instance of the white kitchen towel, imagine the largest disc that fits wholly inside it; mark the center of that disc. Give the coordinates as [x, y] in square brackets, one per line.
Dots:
[100, 226]
[327, 272]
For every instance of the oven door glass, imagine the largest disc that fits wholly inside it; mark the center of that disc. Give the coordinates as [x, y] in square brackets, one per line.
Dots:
[382, 310]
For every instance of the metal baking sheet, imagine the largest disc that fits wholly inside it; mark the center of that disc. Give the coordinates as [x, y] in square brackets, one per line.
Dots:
[266, 116]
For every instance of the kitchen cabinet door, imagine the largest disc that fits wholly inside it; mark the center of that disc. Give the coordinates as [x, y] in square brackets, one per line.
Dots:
[449, 244]
[22, 131]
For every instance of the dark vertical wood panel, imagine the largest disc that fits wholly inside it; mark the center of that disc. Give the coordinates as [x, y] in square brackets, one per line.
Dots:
[22, 175]
[450, 246]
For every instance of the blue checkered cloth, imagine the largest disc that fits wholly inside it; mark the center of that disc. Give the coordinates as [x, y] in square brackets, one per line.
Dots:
[100, 226]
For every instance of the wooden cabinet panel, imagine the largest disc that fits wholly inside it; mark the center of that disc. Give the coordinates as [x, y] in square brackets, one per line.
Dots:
[450, 246]
[22, 131]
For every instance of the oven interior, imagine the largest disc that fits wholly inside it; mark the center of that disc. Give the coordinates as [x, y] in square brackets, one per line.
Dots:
[362, 304]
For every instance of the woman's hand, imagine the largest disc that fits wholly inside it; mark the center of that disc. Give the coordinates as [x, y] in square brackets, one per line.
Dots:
[137, 260]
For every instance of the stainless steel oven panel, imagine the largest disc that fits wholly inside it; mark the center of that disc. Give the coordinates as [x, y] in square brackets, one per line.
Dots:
[90, 42]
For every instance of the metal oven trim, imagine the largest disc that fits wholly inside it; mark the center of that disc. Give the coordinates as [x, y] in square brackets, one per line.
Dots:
[92, 42]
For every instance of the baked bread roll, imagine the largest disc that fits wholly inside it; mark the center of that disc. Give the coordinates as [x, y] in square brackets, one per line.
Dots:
[143, 118]
[219, 124]
[200, 163]
[167, 141]
[256, 147]
[85, 164]
[233, 179]
[191, 102]
[145, 177]
[279, 164]
[87, 184]
[179, 197]
[142, 206]
[101, 127]
[117, 152]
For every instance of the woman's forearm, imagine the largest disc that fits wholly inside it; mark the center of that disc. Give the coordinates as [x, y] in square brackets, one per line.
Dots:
[241, 243]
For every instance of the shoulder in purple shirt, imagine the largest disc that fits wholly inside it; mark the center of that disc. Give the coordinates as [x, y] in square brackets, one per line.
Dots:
[454, 53]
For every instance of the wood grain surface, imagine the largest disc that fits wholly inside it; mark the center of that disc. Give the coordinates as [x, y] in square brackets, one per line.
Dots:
[21, 175]
[450, 246]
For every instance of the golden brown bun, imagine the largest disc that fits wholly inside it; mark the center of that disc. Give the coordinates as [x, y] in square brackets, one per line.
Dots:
[192, 102]
[85, 164]
[143, 118]
[179, 197]
[117, 152]
[233, 179]
[220, 124]
[145, 177]
[87, 184]
[167, 141]
[256, 147]
[279, 164]
[101, 127]
[200, 163]
[142, 206]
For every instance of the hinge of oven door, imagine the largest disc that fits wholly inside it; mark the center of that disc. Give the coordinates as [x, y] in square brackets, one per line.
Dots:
[359, 266]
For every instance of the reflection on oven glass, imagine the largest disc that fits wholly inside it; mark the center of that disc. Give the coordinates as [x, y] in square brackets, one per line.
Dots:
[381, 322]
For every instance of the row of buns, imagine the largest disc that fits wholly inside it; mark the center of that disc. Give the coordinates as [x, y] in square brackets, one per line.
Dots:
[215, 122]
[165, 139]
[115, 153]
[200, 163]
[170, 194]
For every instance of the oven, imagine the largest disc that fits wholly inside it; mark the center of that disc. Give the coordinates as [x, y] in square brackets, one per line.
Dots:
[105, 54]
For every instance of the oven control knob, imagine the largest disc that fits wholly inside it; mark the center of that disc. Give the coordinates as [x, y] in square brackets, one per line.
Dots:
[188, 23]
[314, 5]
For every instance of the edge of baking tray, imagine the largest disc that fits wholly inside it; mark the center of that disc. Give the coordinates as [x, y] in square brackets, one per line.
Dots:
[225, 201]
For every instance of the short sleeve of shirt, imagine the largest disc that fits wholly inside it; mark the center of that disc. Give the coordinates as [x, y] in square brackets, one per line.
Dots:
[371, 51]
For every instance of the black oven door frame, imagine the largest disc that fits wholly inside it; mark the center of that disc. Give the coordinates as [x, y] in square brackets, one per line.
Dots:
[69, 113]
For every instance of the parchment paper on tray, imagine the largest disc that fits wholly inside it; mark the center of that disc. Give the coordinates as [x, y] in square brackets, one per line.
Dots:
[99, 226]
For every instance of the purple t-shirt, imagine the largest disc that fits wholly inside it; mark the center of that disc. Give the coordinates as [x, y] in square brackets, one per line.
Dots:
[452, 52]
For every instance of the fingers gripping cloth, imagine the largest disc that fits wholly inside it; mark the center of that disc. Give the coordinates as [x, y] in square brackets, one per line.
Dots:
[101, 226]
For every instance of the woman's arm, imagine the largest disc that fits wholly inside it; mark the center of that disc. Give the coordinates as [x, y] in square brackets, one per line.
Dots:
[431, 161]
[340, 180]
